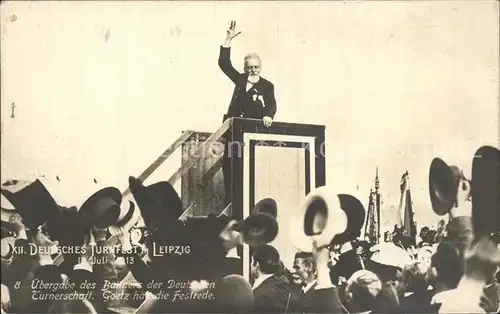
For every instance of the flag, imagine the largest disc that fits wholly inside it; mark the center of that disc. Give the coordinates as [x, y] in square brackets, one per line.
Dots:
[406, 210]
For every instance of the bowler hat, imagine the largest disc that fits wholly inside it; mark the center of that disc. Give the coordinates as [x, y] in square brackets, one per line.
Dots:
[33, 202]
[485, 190]
[261, 226]
[159, 203]
[267, 206]
[443, 185]
[102, 208]
[355, 213]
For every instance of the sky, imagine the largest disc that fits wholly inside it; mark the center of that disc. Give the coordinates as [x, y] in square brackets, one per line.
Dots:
[103, 88]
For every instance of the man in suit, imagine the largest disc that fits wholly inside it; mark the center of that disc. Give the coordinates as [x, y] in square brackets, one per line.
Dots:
[304, 276]
[253, 95]
[271, 290]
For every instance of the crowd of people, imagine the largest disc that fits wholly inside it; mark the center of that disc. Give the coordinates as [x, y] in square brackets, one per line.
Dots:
[57, 260]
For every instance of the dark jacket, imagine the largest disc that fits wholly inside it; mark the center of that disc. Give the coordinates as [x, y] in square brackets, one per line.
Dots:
[347, 265]
[247, 104]
[272, 296]
[418, 302]
[327, 301]
[305, 301]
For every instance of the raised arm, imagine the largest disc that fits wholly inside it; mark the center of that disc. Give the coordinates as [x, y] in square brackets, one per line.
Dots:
[326, 295]
[225, 54]
[460, 229]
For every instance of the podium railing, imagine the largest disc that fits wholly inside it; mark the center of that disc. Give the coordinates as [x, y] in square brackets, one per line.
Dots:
[198, 154]
[190, 162]
[183, 170]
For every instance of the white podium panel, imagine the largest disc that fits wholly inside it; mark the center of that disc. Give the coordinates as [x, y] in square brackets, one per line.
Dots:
[281, 167]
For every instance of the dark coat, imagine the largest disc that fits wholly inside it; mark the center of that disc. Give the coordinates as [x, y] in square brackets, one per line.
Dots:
[247, 104]
[347, 265]
[272, 296]
[327, 301]
[418, 302]
[304, 302]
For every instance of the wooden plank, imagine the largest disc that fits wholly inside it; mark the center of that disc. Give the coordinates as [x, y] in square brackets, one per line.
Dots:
[207, 196]
[146, 173]
[198, 154]
[226, 211]
[187, 165]
[187, 212]
[212, 171]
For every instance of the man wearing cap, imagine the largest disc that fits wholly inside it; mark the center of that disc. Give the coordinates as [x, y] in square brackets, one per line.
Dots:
[253, 96]
[271, 291]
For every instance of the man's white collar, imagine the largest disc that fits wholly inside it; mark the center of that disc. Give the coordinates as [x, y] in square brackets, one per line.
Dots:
[233, 253]
[308, 287]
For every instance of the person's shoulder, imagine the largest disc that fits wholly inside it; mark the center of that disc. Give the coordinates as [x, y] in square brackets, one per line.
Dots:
[266, 82]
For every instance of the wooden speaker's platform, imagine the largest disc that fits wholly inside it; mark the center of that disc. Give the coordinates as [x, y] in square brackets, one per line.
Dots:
[285, 162]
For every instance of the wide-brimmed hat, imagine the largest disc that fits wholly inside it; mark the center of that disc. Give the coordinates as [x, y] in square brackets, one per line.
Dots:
[443, 185]
[159, 203]
[355, 213]
[266, 206]
[485, 190]
[319, 218]
[103, 208]
[261, 227]
[388, 254]
[31, 200]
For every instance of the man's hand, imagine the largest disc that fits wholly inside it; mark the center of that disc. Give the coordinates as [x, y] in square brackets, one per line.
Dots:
[124, 238]
[99, 234]
[231, 32]
[267, 121]
[230, 237]
[464, 206]
[17, 223]
[46, 247]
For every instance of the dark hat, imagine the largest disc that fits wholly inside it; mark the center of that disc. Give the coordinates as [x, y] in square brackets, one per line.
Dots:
[267, 255]
[485, 190]
[7, 229]
[267, 206]
[259, 228]
[102, 208]
[33, 202]
[159, 203]
[443, 185]
[67, 226]
[355, 213]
